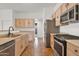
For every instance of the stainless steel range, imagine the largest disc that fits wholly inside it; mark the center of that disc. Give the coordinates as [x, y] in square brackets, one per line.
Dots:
[60, 45]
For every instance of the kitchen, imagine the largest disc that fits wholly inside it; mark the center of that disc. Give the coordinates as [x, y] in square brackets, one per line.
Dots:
[42, 29]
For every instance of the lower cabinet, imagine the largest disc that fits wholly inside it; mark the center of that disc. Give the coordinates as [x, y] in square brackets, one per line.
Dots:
[20, 44]
[72, 50]
[70, 53]
[52, 41]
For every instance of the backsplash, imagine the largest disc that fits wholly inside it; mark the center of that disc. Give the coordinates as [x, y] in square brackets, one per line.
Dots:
[72, 29]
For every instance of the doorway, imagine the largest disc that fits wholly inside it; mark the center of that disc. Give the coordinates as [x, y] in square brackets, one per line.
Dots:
[36, 29]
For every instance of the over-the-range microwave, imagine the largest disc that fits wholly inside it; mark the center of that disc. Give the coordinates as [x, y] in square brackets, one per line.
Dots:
[71, 15]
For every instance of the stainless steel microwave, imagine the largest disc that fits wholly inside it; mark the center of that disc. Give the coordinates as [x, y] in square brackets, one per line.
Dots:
[70, 16]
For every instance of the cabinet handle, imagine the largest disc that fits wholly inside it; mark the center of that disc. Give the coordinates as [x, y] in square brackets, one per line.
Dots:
[76, 50]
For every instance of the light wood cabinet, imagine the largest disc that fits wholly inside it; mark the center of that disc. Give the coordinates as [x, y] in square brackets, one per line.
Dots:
[18, 46]
[52, 40]
[24, 23]
[24, 41]
[57, 18]
[70, 53]
[20, 23]
[64, 8]
[17, 23]
[70, 5]
[30, 23]
[72, 50]
[62, 14]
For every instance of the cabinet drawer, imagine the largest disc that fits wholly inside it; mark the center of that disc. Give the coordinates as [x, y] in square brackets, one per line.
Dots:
[73, 48]
[69, 52]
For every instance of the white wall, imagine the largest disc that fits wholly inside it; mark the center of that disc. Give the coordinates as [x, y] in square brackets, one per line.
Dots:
[28, 14]
[72, 29]
[5, 18]
[40, 28]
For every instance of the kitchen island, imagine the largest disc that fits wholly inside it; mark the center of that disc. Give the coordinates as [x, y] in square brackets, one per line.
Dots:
[14, 45]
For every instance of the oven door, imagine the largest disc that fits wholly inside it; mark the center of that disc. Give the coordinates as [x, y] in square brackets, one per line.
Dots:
[58, 48]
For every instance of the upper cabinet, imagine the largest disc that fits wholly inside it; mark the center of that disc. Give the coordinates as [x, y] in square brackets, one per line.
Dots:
[64, 8]
[24, 22]
[67, 13]
[57, 16]
[30, 22]
[70, 5]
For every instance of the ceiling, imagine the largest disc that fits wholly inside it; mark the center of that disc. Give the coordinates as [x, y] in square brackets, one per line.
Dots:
[26, 6]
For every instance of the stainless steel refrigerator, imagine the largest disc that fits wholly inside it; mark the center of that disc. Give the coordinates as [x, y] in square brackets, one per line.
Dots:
[50, 27]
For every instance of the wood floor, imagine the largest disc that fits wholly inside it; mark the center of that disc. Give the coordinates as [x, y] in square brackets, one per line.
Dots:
[37, 48]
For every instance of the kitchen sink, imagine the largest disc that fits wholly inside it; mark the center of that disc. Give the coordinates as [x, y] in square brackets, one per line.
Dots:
[6, 36]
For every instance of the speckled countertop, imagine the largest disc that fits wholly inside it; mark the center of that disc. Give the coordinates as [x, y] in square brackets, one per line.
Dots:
[4, 40]
[71, 39]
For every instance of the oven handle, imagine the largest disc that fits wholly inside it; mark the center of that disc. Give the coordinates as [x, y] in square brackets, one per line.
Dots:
[59, 42]
[61, 45]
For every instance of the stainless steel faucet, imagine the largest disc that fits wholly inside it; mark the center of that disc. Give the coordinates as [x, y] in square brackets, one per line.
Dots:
[9, 31]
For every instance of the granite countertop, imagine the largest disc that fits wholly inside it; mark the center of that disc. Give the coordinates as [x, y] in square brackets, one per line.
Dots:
[7, 39]
[68, 38]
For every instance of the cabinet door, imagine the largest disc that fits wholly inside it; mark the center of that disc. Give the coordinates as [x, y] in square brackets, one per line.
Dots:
[30, 23]
[58, 17]
[22, 22]
[70, 5]
[70, 53]
[18, 46]
[23, 42]
[64, 7]
[26, 40]
[17, 23]
[26, 23]
[52, 41]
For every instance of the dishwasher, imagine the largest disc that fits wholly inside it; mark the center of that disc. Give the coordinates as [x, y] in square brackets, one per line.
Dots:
[7, 49]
